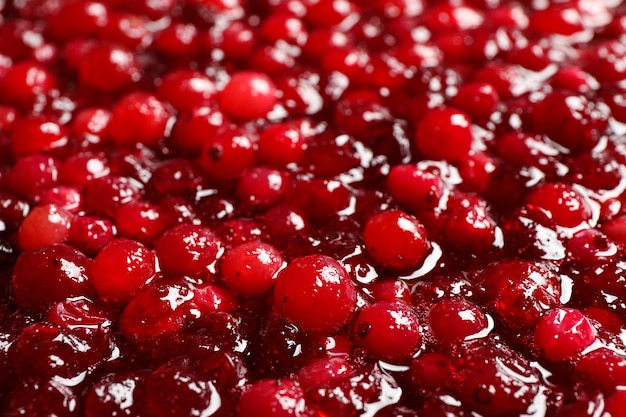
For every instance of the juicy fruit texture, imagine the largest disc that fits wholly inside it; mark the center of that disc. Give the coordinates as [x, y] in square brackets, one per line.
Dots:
[312, 208]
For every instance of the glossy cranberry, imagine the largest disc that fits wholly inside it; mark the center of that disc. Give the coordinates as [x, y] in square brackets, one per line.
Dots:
[90, 125]
[126, 29]
[321, 199]
[27, 83]
[121, 269]
[108, 67]
[44, 225]
[226, 155]
[429, 371]
[563, 333]
[43, 396]
[37, 134]
[521, 291]
[185, 90]
[248, 95]
[281, 144]
[138, 118]
[81, 168]
[177, 388]
[409, 245]
[195, 127]
[457, 320]
[486, 372]
[311, 282]
[250, 268]
[329, 12]
[177, 40]
[90, 234]
[260, 188]
[415, 188]
[106, 194]
[140, 221]
[13, 210]
[391, 290]
[444, 134]
[189, 250]
[67, 198]
[279, 398]
[237, 41]
[479, 100]
[590, 247]
[387, 330]
[117, 394]
[8, 116]
[605, 61]
[78, 20]
[32, 175]
[52, 273]
[565, 206]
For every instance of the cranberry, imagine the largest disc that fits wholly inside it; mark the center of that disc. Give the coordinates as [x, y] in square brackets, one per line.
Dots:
[415, 188]
[195, 127]
[227, 155]
[90, 234]
[126, 29]
[563, 333]
[410, 245]
[108, 67]
[177, 40]
[117, 394]
[387, 330]
[261, 188]
[311, 282]
[566, 206]
[104, 195]
[121, 269]
[139, 221]
[81, 168]
[37, 134]
[456, 320]
[444, 134]
[44, 225]
[248, 95]
[78, 20]
[250, 268]
[189, 250]
[138, 118]
[281, 144]
[40, 397]
[32, 175]
[90, 125]
[27, 83]
[50, 274]
[279, 398]
[185, 90]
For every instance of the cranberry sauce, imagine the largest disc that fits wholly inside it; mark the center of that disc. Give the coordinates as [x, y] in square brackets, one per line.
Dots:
[312, 208]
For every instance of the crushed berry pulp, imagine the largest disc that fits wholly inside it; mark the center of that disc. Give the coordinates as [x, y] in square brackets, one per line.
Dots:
[312, 208]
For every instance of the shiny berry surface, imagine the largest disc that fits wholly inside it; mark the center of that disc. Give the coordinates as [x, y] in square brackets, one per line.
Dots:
[312, 208]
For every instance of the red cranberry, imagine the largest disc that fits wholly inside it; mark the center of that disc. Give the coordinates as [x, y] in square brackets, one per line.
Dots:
[316, 293]
[563, 333]
[444, 134]
[91, 125]
[32, 175]
[139, 221]
[188, 250]
[13, 210]
[185, 90]
[177, 40]
[260, 188]
[27, 83]
[78, 20]
[52, 273]
[391, 290]
[108, 67]
[272, 398]
[67, 198]
[90, 234]
[430, 371]
[195, 127]
[250, 268]
[521, 291]
[248, 95]
[415, 188]
[396, 240]
[329, 12]
[227, 155]
[281, 144]
[43, 226]
[138, 118]
[117, 394]
[457, 320]
[387, 330]
[81, 168]
[41, 397]
[565, 205]
[127, 29]
[178, 389]
[106, 194]
[121, 269]
[36, 134]
[8, 116]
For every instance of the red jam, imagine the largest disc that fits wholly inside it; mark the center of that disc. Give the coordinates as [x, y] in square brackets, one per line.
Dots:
[312, 208]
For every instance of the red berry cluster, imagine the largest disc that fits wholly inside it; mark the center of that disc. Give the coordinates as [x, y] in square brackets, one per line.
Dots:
[312, 208]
